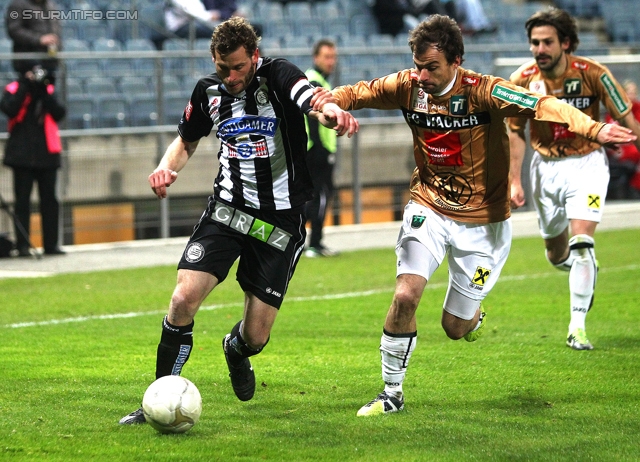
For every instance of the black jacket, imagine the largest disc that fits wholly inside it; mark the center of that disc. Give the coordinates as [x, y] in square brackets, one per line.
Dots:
[33, 112]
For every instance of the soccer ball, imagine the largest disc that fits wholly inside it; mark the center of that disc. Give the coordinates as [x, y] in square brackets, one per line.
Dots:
[172, 404]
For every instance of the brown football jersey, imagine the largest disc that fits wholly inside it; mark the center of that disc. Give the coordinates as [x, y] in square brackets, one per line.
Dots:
[584, 85]
[460, 139]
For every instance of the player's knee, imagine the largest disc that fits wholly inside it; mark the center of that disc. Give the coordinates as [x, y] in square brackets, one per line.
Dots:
[183, 303]
[560, 260]
[582, 246]
[454, 330]
[406, 298]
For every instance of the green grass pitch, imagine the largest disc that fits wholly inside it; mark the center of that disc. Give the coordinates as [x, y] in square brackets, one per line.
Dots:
[77, 352]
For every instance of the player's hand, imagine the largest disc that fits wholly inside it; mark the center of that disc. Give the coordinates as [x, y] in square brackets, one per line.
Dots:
[160, 180]
[517, 196]
[341, 121]
[615, 134]
[321, 96]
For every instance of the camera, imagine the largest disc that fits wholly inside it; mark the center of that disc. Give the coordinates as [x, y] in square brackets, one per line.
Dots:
[39, 74]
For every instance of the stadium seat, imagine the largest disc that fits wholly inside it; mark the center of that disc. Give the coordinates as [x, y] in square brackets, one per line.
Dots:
[269, 11]
[363, 24]
[335, 26]
[92, 30]
[381, 41]
[75, 86]
[173, 105]
[118, 67]
[132, 85]
[327, 10]
[112, 111]
[80, 111]
[298, 11]
[269, 45]
[143, 110]
[278, 28]
[76, 45]
[106, 44]
[100, 86]
[139, 44]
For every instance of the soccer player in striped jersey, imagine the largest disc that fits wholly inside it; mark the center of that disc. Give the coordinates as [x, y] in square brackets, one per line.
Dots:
[257, 105]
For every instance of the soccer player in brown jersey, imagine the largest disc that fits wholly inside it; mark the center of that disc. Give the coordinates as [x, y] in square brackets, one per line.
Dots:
[569, 173]
[460, 188]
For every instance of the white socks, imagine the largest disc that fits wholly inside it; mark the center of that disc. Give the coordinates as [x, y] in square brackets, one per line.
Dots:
[395, 351]
[582, 278]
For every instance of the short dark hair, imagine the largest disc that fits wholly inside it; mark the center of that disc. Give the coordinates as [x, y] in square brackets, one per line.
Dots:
[232, 34]
[322, 43]
[439, 31]
[560, 20]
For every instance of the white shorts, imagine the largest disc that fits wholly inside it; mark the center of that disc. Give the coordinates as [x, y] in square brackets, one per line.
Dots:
[477, 252]
[571, 188]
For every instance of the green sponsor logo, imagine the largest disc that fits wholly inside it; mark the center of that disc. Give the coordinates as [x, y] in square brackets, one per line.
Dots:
[261, 230]
[458, 105]
[572, 87]
[515, 97]
[417, 220]
[613, 93]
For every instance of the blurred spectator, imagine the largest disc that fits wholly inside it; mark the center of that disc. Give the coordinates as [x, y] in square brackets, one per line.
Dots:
[390, 15]
[473, 18]
[32, 33]
[624, 160]
[194, 19]
[399, 16]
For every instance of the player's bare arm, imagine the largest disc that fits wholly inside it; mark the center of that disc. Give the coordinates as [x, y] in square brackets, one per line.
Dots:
[517, 145]
[174, 159]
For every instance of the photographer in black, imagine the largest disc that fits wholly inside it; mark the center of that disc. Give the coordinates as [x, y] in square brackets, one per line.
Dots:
[33, 152]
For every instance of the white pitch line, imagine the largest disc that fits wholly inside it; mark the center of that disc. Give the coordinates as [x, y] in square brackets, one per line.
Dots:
[365, 293]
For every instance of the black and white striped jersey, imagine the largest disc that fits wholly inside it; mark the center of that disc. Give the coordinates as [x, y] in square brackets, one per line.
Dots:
[262, 135]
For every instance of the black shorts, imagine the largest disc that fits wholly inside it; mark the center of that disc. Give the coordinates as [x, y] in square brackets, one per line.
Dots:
[269, 246]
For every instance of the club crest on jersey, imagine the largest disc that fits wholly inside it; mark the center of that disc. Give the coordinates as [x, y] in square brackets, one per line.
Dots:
[479, 278]
[417, 220]
[530, 71]
[580, 66]
[458, 104]
[194, 252]
[572, 87]
[454, 191]
[470, 80]
[538, 86]
[261, 97]
[593, 201]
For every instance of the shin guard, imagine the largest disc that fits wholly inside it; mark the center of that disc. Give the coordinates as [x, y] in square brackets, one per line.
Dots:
[174, 349]
[395, 351]
[582, 277]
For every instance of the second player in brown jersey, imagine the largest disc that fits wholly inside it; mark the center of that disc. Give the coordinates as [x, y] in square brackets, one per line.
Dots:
[569, 172]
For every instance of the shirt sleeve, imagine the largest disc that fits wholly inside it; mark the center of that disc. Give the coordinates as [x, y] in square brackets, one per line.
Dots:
[388, 92]
[292, 83]
[195, 122]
